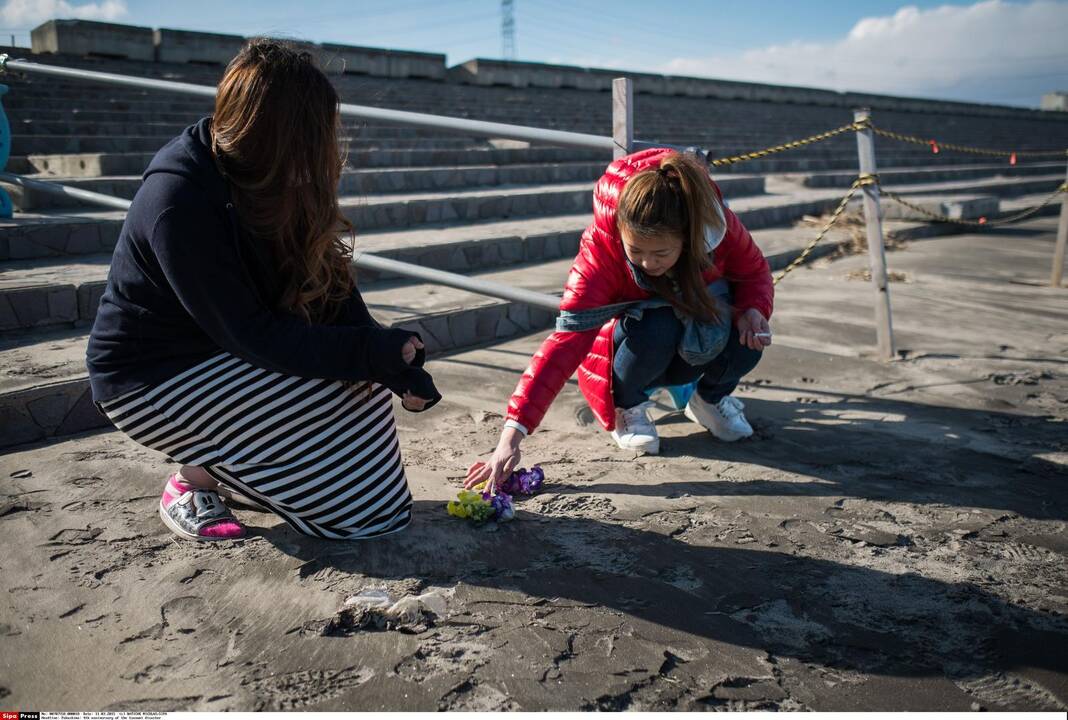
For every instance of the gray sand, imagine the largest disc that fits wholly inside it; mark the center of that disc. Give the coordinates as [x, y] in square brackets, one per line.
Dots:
[893, 537]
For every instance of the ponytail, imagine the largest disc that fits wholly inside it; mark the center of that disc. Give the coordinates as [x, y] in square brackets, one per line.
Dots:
[676, 199]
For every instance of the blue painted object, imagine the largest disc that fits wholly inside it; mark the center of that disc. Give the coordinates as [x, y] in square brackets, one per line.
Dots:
[6, 207]
[680, 394]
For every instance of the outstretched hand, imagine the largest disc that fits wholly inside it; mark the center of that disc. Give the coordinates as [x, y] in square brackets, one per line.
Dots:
[504, 460]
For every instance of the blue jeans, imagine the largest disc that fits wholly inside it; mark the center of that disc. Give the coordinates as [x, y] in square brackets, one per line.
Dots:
[646, 357]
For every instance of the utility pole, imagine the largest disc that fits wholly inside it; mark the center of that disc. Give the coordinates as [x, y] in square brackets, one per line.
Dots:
[508, 29]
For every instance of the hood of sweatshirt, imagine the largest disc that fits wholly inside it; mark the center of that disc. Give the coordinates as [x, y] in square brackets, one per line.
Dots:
[189, 155]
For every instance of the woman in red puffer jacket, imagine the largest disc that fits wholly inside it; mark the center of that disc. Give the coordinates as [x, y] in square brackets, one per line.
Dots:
[690, 296]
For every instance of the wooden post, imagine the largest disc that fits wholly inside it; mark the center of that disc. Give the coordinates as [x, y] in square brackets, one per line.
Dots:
[1062, 240]
[876, 252]
[622, 116]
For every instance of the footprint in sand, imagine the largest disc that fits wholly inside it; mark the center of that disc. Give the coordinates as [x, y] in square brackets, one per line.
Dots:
[184, 614]
[297, 690]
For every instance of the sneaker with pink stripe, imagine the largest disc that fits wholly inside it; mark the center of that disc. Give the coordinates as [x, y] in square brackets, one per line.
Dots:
[196, 514]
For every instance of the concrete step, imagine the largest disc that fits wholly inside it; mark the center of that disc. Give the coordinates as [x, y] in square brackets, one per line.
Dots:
[54, 234]
[897, 176]
[130, 124]
[360, 182]
[997, 186]
[113, 126]
[470, 205]
[45, 145]
[65, 144]
[81, 164]
[958, 207]
[99, 164]
[78, 115]
[26, 103]
[55, 291]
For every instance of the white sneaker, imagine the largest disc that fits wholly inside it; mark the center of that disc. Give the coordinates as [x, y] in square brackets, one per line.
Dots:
[724, 419]
[635, 431]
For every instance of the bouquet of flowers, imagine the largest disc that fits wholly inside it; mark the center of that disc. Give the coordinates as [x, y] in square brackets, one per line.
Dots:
[479, 505]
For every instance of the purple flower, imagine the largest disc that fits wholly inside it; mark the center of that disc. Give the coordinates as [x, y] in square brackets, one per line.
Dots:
[501, 503]
[526, 482]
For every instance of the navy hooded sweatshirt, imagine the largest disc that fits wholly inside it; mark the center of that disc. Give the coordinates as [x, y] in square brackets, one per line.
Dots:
[187, 282]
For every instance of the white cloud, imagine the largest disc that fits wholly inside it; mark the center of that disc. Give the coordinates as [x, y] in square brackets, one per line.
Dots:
[16, 14]
[991, 51]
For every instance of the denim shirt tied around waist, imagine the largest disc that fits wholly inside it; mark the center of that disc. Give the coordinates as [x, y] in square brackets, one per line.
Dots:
[701, 341]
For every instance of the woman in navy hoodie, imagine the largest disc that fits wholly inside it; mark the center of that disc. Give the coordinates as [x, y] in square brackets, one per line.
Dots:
[231, 336]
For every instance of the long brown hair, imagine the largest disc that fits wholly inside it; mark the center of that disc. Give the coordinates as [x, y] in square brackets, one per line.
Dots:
[275, 137]
[676, 199]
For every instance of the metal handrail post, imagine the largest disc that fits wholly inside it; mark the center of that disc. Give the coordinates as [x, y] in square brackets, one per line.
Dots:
[1057, 271]
[884, 328]
[622, 117]
[444, 123]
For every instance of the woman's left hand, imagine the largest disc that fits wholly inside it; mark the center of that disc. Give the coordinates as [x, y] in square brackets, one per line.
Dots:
[413, 403]
[753, 330]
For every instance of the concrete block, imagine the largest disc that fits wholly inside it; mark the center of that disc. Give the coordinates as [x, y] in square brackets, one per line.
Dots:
[63, 306]
[486, 322]
[379, 62]
[541, 318]
[49, 410]
[84, 239]
[463, 328]
[506, 328]
[33, 306]
[436, 329]
[87, 37]
[83, 414]
[511, 250]
[186, 46]
[89, 295]
[519, 313]
[1057, 101]
[19, 426]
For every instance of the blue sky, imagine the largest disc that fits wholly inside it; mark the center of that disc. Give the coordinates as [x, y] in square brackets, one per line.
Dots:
[1007, 51]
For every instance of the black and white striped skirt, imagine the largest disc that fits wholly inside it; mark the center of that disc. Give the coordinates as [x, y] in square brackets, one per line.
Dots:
[322, 454]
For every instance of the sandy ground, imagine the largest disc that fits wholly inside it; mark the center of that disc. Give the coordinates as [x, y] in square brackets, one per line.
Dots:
[892, 538]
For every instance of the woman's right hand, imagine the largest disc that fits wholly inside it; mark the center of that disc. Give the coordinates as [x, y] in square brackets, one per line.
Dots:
[505, 459]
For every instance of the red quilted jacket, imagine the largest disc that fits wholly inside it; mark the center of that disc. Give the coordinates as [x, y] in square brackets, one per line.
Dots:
[600, 276]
